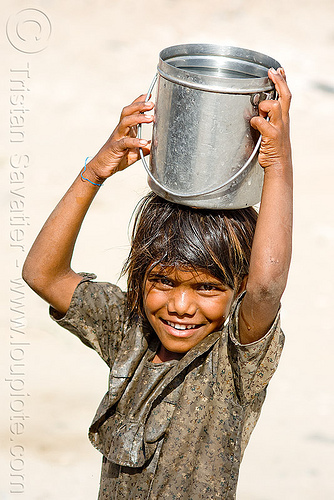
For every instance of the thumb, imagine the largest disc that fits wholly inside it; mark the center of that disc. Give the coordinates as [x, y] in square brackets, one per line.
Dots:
[261, 124]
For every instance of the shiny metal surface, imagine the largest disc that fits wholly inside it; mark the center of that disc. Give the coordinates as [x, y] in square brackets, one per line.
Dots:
[203, 148]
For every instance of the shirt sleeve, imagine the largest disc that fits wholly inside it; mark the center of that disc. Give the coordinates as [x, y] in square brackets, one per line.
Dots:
[97, 316]
[253, 364]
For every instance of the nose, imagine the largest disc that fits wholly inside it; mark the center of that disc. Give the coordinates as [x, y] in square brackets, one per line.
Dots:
[181, 302]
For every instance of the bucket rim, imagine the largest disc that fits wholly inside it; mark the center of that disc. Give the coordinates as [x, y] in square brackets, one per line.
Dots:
[245, 59]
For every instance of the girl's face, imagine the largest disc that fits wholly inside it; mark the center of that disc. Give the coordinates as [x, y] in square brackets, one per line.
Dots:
[184, 306]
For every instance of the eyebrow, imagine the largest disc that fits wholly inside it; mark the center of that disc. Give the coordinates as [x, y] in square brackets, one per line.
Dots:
[217, 284]
[153, 275]
[220, 283]
[213, 281]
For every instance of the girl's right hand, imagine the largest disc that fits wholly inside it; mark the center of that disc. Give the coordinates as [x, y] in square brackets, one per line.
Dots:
[122, 148]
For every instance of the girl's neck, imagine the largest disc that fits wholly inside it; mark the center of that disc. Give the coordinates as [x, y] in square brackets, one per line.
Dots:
[163, 355]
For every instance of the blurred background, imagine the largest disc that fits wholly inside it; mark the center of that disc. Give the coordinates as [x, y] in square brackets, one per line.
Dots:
[67, 70]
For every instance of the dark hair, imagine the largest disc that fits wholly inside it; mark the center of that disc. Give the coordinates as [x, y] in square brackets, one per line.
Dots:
[217, 241]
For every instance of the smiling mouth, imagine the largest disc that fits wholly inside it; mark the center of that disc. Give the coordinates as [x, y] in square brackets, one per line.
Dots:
[179, 326]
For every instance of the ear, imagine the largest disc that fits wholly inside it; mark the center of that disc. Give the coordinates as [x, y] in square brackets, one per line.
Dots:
[243, 285]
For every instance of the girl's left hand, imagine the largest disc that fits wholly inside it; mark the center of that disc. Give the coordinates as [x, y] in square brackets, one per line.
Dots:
[275, 149]
[122, 148]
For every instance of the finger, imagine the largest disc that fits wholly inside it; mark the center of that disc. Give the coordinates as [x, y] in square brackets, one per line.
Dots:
[140, 98]
[279, 79]
[131, 143]
[137, 106]
[128, 122]
[146, 149]
[270, 115]
[281, 71]
[262, 125]
[271, 109]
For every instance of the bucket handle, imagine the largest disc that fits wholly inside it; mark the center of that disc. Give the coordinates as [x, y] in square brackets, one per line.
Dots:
[200, 193]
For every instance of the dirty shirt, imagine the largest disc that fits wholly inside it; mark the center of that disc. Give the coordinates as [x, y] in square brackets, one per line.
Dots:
[174, 430]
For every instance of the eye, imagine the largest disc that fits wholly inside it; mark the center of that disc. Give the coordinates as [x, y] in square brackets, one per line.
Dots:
[161, 282]
[210, 287]
[165, 281]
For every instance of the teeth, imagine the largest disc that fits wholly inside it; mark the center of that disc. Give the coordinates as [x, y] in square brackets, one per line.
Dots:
[177, 326]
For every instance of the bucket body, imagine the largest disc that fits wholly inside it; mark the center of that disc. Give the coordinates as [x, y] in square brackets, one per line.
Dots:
[204, 151]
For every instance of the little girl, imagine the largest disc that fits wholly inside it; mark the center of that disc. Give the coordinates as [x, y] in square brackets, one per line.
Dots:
[193, 344]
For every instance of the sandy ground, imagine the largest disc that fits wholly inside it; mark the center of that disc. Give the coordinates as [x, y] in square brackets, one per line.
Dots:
[99, 56]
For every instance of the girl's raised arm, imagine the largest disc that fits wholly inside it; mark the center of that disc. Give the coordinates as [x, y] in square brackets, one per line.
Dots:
[271, 251]
[47, 268]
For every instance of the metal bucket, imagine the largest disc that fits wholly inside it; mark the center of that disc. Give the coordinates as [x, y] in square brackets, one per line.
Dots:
[204, 151]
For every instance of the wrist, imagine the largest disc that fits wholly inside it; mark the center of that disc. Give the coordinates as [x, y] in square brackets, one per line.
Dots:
[280, 165]
[91, 172]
